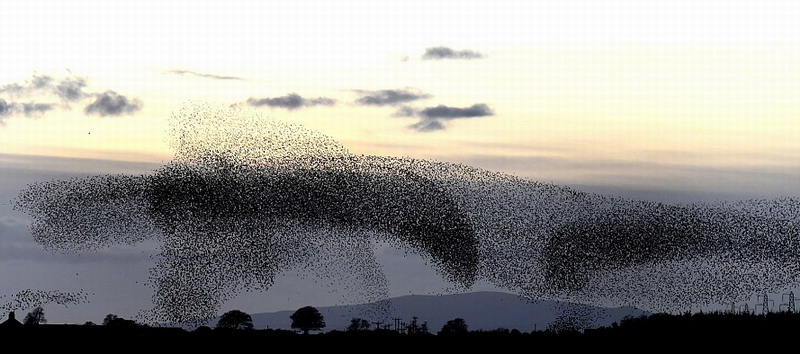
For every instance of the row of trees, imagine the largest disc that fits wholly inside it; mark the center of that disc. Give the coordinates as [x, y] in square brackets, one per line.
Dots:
[305, 319]
[310, 319]
[36, 317]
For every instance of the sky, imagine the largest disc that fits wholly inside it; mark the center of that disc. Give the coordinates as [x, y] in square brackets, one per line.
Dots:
[673, 101]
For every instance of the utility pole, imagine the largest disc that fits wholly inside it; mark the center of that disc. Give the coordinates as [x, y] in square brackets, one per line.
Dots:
[790, 304]
[764, 304]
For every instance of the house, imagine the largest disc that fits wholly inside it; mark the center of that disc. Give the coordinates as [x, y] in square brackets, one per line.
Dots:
[11, 323]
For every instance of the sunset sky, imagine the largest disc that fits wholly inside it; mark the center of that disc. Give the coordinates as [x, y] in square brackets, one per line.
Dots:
[675, 101]
[649, 93]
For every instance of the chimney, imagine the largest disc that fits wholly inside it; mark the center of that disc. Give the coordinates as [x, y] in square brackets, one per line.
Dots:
[12, 316]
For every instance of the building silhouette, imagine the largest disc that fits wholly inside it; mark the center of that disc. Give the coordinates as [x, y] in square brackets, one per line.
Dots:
[11, 322]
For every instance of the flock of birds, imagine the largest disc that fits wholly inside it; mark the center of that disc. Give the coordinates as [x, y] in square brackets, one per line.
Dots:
[248, 197]
[27, 299]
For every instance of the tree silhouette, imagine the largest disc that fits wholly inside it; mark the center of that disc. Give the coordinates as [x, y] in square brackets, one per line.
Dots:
[414, 327]
[424, 328]
[109, 319]
[35, 317]
[235, 319]
[454, 326]
[115, 321]
[307, 318]
[358, 324]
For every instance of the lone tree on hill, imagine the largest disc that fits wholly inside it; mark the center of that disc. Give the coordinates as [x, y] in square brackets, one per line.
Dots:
[455, 326]
[235, 319]
[307, 318]
[35, 317]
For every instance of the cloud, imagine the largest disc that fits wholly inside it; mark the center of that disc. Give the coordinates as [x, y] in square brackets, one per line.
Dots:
[405, 111]
[445, 112]
[33, 109]
[438, 53]
[71, 88]
[5, 108]
[389, 97]
[12, 88]
[291, 101]
[27, 109]
[203, 75]
[110, 103]
[427, 125]
[40, 81]
[68, 89]
[432, 118]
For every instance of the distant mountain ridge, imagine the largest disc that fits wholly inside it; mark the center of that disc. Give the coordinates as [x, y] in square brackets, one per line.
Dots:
[481, 311]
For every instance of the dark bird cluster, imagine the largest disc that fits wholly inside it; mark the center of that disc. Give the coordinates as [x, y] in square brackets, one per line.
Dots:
[247, 197]
[28, 298]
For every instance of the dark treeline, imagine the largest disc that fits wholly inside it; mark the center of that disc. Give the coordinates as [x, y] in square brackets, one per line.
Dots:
[704, 326]
[657, 328]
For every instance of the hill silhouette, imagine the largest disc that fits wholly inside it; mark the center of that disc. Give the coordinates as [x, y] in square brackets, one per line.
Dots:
[482, 311]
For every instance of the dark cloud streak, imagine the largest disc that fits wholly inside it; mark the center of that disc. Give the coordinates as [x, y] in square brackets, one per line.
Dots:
[427, 125]
[438, 53]
[389, 97]
[29, 109]
[291, 101]
[445, 112]
[432, 118]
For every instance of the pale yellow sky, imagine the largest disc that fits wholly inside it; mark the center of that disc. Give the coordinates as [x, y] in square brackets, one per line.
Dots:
[583, 92]
[668, 100]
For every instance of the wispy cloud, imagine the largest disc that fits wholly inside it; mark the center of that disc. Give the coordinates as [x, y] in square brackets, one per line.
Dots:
[69, 89]
[438, 53]
[203, 75]
[405, 111]
[427, 125]
[433, 118]
[291, 101]
[110, 103]
[34, 109]
[29, 109]
[389, 97]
